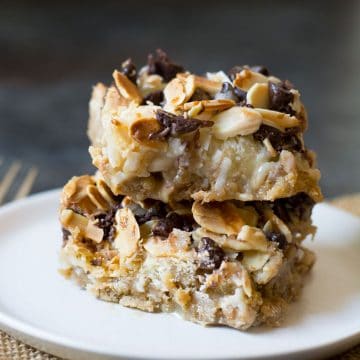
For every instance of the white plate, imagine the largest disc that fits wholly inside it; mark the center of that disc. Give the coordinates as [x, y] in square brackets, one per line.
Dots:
[47, 311]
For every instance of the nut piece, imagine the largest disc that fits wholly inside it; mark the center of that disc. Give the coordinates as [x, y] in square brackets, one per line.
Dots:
[177, 245]
[179, 90]
[126, 87]
[141, 130]
[236, 121]
[252, 238]
[223, 218]
[76, 222]
[254, 260]
[210, 86]
[277, 119]
[127, 232]
[247, 78]
[258, 96]
[210, 105]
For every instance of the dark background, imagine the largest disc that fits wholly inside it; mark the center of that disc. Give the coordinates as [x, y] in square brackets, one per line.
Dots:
[51, 55]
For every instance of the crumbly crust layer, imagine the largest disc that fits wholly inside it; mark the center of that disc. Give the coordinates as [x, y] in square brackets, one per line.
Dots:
[172, 135]
[233, 263]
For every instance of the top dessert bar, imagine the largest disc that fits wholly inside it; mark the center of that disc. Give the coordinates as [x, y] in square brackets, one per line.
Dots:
[167, 134]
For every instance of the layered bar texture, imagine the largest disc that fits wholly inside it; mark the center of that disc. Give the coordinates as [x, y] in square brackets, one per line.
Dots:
[232, 263]
[171, 135]
[202, 198]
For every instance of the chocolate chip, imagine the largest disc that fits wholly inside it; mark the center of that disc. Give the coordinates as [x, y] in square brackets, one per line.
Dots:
[96, 261]
[65, 234]
[280, 97]
[129, 70]
[154, 209]
[77, 209]
[175, 125]
[277, 237]
[280, 140]
[260, 69]
[160, 64]
[227, 92]
[210, 254]
[294, 208]
[199, 95]
[241, 94]
[105, 221]
[155, 97]
[235, 70]
[173, 220]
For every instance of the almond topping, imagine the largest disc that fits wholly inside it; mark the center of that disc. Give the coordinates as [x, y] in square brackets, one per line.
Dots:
[210, 105]
[179, 90]
[258, 96]
[72, 221]
[141, 130]
[127, 88]
[127, 232]
[223, 218]
[210, 86]
[236, 121]
[277, 119]
[247, 78]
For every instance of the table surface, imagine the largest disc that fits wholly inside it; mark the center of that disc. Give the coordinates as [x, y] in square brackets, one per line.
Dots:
[51, 55]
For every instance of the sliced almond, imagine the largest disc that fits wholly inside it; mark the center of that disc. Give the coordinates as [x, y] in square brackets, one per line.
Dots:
[236, 121]
[94, 195]
[126, 87]
[104, 190]
[252, 238]
[127, 232]
[220, 218]
[179, 90]
[176, 245]
[210, 86]
[73, 221]
[141, 130]
[254, 260]
[211, 105]
[247, 78]
[277, 119]
[258, 96]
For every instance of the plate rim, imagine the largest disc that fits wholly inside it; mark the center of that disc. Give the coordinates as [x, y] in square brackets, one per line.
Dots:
[26, 331]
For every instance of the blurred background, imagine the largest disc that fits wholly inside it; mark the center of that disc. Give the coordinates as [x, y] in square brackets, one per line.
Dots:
[51, 55]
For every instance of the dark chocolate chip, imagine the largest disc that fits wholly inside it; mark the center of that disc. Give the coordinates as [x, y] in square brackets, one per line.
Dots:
[227, 92]
[105, 221]
[260, 69]
[155, 97]
[65, 234]
[160, 64]
[96, 261]
[294, 208]
[210, 254]
[235, 70]
[277, 237]
[154, 209]
[129, 70]
[241, 94]
[280, 97]
[175, 125]
[173, 221]
[280, 140]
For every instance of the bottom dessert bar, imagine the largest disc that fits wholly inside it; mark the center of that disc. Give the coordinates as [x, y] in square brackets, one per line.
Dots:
[232, 263]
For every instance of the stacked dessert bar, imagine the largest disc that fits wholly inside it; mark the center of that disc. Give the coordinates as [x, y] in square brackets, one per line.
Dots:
[202, 198]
